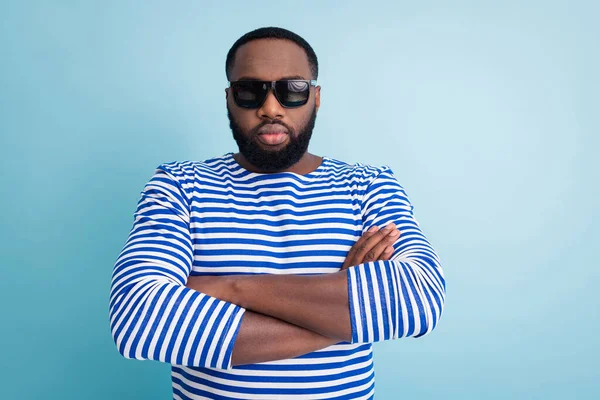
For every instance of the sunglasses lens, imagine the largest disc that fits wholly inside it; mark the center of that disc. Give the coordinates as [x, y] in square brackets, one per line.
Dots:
[292, 93]
[249, 94]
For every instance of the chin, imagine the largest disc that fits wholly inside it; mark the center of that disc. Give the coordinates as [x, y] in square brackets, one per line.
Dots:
[273, 149]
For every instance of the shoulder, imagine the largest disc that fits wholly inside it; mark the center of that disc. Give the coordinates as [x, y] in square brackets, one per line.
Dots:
[358, 171]
[185, 173]
[188, 170]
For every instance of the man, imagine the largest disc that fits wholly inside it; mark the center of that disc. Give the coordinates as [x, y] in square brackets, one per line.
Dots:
[269, 273]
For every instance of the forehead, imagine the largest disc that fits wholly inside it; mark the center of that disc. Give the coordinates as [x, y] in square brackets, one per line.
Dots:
[270, 59]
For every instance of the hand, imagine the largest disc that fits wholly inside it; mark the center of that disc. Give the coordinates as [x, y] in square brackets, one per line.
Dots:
[374, 245]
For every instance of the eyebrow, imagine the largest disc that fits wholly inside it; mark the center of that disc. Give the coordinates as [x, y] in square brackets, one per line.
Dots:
[250, 78]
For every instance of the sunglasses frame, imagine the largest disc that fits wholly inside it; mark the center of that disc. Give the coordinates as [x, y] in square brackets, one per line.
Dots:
[311, 82]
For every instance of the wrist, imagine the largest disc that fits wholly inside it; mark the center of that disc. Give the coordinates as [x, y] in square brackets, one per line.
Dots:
[241, 289]
[235, 290]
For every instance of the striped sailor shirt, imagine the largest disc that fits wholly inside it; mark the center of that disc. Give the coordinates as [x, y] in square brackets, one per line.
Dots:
[214, 217]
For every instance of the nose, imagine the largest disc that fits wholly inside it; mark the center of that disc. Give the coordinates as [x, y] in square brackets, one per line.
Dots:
[270, 107]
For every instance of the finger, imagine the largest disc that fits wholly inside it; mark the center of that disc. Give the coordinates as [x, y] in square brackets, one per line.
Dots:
[384, 248]
[387, 253]
[350, 256]
[369, 244]
[377, 245]
[369, 233]
[380, 235]
[376, 252]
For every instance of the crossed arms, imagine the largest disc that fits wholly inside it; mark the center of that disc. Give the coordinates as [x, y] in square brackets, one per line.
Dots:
[159, 312]
[292, 314]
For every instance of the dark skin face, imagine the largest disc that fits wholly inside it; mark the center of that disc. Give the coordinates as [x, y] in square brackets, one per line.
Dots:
[269, 59]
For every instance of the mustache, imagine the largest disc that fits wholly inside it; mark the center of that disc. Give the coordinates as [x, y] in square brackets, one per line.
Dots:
[254, 130]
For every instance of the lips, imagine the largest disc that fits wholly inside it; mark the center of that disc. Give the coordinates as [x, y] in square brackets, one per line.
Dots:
[272, 139]
[272, 128]
[272, 134]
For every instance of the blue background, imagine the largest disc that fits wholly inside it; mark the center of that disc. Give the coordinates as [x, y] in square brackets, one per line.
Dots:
[487, 113]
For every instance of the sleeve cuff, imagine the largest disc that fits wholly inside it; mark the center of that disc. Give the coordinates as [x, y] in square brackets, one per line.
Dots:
[226, 340]
[372, 301]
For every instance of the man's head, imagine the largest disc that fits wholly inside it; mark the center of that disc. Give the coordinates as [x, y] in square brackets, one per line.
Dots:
[270, 54]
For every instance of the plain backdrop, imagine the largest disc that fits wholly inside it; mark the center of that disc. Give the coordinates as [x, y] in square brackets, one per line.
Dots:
[487, 112]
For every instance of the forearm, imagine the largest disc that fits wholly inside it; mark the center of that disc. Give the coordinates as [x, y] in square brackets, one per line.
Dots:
[318, 303]
[262, 338]
[387, 300]
[152, 315]
[167, 322]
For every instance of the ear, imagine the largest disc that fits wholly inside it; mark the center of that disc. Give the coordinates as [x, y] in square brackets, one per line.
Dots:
[226, 93]
[317, 97]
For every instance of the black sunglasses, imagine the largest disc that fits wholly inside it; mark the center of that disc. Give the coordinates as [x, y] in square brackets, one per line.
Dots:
[290, 93]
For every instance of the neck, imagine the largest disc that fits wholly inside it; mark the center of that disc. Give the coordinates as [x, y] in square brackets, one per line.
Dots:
[307, 164]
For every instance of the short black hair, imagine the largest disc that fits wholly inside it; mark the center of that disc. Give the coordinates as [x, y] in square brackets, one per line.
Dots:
[272, 32]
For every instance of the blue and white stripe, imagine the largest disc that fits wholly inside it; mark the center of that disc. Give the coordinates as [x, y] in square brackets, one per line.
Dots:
[216, 218]
[152, 314]
[404, 296]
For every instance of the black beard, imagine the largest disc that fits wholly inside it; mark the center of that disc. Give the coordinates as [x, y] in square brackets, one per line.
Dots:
[268, 160]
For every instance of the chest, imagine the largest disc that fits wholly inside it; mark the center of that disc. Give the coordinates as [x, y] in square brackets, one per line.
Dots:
[273, 230]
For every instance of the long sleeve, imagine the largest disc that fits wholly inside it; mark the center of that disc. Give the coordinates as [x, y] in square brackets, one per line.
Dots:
[403, 296]
[152, 314]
